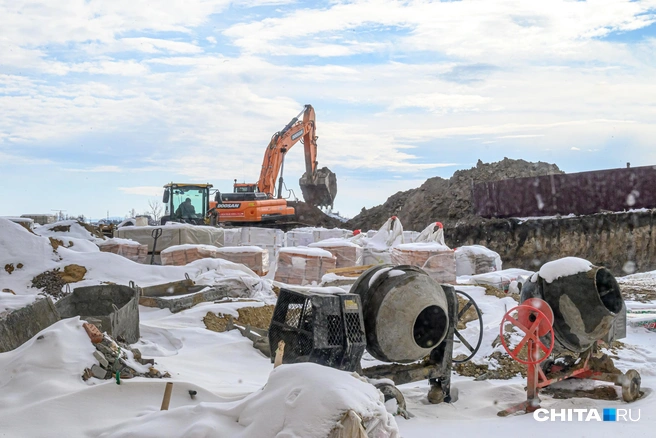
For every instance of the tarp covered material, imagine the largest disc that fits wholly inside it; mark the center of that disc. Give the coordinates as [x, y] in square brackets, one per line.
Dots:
[300, 237]
[303, 265]
[504, 279]
[437, 260]
[262, 237]
[410, 236]
[254, 257]
[476, 259]
[434, 232]
[346, 252]
[180, 255]
[173, 234]
[129, 249]
[377, 248]
[324, 233]
[231, 236]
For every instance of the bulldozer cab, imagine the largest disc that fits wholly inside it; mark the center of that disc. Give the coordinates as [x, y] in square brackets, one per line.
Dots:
[187, 203]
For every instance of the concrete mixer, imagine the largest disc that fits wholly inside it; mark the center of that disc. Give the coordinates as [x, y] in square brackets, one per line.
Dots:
[566, 310]
[409, 320]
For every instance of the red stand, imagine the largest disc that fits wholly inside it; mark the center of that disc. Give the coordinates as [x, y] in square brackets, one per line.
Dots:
[535, 319]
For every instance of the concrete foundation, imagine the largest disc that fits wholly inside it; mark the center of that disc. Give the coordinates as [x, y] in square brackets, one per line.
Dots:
[112, 308]
[20, 325]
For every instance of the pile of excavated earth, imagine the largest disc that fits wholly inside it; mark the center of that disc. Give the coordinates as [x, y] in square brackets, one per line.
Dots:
[446, 200]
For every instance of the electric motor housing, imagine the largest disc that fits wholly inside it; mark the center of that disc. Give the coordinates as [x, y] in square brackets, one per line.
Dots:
[319, 327]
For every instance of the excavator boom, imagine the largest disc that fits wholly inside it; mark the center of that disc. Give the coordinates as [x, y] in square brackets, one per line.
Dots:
[319, 187]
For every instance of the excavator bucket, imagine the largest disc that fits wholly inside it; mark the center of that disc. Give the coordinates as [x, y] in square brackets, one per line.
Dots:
[320, 190]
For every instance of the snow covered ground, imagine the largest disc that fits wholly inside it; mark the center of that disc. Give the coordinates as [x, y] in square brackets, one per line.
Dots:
[238, 394]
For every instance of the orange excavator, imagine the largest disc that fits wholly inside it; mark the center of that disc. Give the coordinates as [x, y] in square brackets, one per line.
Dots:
[257, 203]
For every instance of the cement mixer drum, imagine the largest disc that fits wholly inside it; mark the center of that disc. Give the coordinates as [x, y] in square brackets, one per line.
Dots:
[587, 306]
[405, 312]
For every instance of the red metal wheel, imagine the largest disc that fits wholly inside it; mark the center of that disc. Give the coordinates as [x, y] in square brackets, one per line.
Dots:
[535, 319]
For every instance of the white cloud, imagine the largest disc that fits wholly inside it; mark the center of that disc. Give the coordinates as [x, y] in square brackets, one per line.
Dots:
[512, 72]
[480, 29]
[574, 148]
[143, 190]
[95, 169]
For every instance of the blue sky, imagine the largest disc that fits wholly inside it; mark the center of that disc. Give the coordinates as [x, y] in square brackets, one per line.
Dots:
[102, 103]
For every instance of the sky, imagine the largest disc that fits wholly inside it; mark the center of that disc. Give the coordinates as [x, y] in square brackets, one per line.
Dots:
[104, 102]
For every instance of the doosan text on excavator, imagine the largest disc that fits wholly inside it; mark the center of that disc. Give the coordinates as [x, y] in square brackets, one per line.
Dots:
[258, 204]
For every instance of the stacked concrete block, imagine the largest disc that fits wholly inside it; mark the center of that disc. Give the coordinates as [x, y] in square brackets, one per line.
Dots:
[346, 253]
[320, 234]
[253, 257]
[302, 266]
[127, 248]
[232, 236]
[180, 255]
[437, 260]
[299, 237]
[268, 238]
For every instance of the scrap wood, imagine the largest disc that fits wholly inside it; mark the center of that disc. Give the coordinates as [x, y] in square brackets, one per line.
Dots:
[349, 271]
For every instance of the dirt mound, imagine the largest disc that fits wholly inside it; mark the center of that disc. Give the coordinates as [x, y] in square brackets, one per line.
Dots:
[313, 216]
[73, 273]
[258, 317]
[51, 282]
[504, 367]
[448, 201]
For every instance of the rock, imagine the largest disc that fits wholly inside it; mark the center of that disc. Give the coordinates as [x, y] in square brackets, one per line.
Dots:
[107, 351]
[51, 283]
[137, 354]
[98, 372]
[101, 359]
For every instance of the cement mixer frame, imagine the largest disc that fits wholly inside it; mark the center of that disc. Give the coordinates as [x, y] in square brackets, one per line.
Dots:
[568, 316]
[409, 321]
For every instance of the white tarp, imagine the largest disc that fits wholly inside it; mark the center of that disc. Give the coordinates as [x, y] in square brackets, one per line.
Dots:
[476, 259]
[172, 235]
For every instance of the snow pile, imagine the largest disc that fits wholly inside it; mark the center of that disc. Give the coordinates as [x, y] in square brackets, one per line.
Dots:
[69, 228]
[23, 256]
[500, 279]
[333, 242]
[48, 365]
[299, 400]
[26, 255]
[563, 267]
[314, 252]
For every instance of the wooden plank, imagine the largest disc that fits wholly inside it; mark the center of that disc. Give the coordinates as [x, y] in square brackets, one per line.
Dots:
[349, 271]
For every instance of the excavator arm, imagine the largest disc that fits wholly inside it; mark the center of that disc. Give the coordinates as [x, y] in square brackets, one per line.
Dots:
[319, 187]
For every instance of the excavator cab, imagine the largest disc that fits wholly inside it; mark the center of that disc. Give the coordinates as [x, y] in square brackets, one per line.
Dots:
[320, 190]
[244, 188]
